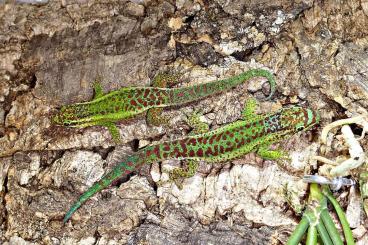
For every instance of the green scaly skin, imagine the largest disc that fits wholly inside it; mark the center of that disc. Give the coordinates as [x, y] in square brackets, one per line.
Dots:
[106, 110]
[255, 133]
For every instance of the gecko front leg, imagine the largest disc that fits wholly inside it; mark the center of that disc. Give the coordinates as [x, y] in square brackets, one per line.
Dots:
[264, 152]
[178, 175]
[249, 111]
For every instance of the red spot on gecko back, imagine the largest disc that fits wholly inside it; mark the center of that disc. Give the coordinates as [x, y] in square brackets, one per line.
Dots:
[229, 148]
[139, 92]
[175, 152]
[208, 152]
[216, 150]
[191, 153]
[156, 150]
[166, 147]
[205, 140]
[183, 147]
[218, 138]
[212, 139]
[222, 149]
[159, 100]
[255, 136]
[140, 101]
[148, 153]
[200, 152]
[133, 103]
[192, 141]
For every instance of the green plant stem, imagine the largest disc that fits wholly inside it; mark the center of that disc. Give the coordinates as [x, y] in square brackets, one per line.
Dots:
[318, 202]
[299, 231]
[340, 213]
[330, 227]
[324, 234]
[311, 236]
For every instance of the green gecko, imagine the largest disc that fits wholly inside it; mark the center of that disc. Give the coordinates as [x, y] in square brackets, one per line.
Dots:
[127, 102]
[255, 133]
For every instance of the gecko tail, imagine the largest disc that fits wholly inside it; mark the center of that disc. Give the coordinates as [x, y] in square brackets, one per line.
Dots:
[71, 211]
[125, 167]
[85, 196]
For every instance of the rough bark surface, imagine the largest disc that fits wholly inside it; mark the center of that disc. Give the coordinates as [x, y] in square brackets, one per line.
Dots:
[51, 52]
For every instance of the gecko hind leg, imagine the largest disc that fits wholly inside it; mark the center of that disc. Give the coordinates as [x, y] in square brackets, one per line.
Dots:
[278, 156]
[249, 110]
[113, 129]
[194, 121]
[155, 117]
[266, 153]
[161, 80]
[110, 125]
[97, 88]
[164, 80]
[177, 175]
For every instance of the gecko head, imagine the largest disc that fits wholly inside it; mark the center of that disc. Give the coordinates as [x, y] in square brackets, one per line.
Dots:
[299, 119]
